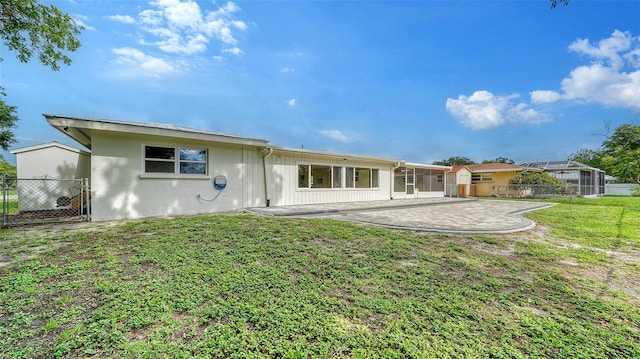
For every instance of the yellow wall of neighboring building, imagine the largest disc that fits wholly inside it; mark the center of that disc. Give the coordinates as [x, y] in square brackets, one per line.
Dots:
[484, 189]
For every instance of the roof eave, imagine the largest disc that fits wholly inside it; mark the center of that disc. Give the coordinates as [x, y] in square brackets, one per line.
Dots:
[81, 129]
[341, 156]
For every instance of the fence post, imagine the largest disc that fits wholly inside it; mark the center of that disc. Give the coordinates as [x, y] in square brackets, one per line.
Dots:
[88, 198]
[4, 201]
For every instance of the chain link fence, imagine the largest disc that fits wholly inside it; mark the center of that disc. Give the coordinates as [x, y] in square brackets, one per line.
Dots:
[44, 200]
[535, 191]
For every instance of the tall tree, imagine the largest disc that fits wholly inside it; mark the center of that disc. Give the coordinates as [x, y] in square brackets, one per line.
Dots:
[30, 28]
[622, 153]
[454, 161]
[591, 158]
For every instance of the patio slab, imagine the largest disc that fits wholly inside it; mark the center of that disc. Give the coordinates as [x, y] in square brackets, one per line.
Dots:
[458, 215]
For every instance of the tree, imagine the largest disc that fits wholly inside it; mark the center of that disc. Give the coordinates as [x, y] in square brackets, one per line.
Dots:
[622, 153]
[7, 169]
[555, 3]
[500, 160]
[618, 156]
[30, 28]
[591, 158]
[454, 161]
[8, 119]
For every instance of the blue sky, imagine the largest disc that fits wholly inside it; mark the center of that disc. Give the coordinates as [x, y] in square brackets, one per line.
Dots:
[414, 80]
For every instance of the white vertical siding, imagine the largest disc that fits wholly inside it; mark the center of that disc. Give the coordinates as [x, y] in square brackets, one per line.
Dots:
[253, 178]
[282, 168]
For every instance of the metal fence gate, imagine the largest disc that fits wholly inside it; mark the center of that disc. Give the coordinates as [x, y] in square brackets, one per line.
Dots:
[44, 200]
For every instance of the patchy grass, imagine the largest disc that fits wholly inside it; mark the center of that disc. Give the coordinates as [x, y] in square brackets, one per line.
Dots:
[607, 222]
[241, 286]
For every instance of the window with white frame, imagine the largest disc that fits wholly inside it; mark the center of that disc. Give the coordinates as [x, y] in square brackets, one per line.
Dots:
[362, 177]
[326, 176]
[482, 177]
[176, 160]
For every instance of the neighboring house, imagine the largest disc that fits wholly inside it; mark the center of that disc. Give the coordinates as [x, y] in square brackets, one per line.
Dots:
[588, 181]
[144, 170]
[55, 162]
[491, 179]
[458, 181]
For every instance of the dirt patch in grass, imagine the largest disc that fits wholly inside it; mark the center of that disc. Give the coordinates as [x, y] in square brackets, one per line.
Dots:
[22, 243]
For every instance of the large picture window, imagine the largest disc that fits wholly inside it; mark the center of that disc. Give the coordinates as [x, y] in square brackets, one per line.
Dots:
[325, 176]
[176, 160]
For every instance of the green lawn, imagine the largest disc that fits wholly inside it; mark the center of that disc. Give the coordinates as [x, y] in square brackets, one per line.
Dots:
[241, 286]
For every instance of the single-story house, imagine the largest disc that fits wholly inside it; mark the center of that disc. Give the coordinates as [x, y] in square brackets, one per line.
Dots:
[490, 179]
[144, 170]
[587, 180]
[458, 181]
[47, 173]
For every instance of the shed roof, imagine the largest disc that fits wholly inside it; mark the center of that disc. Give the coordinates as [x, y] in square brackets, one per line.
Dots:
[53, 144]
[458, 168]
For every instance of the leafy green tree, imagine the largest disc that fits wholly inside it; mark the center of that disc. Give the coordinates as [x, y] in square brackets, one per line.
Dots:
[8, 119]
[591, 158]
[622, 153]
[500, 160]
[29, 28]
[7, 169]
[454, 161]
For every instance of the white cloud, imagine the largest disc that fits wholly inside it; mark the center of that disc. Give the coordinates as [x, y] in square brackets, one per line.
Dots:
[605, 85]
[125, 19]
[612, 79]
[608, 49]
[292, 102]
[286, 70]
[334, 134]
[141, 63]
[180, 26]
[483, 110]
[544, 96]
[234, 50]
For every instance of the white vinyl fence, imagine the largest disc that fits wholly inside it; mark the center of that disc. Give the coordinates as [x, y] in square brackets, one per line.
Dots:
[619, 189]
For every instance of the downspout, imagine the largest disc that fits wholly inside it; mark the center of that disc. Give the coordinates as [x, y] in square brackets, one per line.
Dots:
[393, 169]
[266, 182]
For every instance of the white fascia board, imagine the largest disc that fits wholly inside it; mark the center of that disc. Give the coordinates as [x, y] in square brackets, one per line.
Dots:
[87, 126]
[342, 156]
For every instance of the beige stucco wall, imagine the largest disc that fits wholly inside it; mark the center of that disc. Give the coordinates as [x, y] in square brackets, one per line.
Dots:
[120, 189]
[484, 189]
